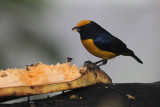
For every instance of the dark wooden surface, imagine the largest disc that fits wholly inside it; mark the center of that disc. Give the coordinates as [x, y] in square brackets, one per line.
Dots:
[103, 95]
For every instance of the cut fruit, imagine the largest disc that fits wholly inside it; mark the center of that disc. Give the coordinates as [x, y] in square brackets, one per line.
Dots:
[38, 74]
[40, 79]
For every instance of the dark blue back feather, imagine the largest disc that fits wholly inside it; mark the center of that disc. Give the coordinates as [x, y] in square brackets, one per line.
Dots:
[105, 41]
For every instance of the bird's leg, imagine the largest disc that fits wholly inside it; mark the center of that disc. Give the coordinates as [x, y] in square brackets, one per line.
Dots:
[98, 62]
[104, 61]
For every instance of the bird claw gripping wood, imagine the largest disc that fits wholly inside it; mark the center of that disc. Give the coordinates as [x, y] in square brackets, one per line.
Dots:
[92, 66]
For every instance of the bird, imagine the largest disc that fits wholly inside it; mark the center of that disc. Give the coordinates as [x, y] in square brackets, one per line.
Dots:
[101, 43]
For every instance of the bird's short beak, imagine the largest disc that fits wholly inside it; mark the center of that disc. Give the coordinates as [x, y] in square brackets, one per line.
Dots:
[75, 29]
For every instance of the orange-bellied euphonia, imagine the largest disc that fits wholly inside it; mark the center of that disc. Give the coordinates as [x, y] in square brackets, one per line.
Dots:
[101, 43]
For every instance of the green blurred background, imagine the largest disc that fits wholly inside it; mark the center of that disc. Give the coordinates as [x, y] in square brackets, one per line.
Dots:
[34, 31]
[24, 36]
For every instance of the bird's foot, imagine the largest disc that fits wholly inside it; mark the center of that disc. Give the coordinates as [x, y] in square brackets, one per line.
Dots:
[92, 66]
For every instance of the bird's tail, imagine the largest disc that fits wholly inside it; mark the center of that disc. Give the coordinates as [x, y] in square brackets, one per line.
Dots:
[131, 53]
[136, 58]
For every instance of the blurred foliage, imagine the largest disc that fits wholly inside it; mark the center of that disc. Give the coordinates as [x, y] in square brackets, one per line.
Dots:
[17, 12]
[32, 4]
[29, 38]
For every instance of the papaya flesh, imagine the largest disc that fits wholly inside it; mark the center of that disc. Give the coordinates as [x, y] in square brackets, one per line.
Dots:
[41, 78]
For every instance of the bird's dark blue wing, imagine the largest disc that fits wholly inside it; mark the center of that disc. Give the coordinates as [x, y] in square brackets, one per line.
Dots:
[107, 42]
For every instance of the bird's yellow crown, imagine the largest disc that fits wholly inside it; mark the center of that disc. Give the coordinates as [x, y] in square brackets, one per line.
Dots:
[83, 22]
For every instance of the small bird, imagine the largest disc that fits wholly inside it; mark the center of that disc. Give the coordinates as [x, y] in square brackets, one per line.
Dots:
[101, 43]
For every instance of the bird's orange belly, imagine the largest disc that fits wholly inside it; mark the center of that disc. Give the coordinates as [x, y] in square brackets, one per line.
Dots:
[89, 45]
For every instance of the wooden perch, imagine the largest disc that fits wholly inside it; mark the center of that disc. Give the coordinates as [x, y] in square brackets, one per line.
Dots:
[103, 95]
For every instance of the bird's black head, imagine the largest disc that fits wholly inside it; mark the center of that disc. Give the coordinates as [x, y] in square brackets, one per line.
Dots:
[88, 29]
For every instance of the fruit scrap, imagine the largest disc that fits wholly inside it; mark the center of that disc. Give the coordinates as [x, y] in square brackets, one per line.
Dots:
[130, 97]
[74, 97]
